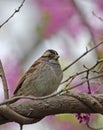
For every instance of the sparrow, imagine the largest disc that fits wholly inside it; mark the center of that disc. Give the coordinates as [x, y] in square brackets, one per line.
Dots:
[42, 78]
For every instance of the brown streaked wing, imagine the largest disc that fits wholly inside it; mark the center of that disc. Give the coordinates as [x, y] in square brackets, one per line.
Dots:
[32, 68]
[19, 84]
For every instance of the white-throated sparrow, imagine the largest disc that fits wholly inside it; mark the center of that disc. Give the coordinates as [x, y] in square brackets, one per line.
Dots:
[42, 78]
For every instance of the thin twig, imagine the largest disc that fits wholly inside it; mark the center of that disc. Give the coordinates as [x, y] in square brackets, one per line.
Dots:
[66, 86]
[16, 11]
[3, 77]
[97, 63]
[79, 84]
[87, 76]
[84, 71]
[73, 76]
[14, 99]
[87, 51]
[100, 18]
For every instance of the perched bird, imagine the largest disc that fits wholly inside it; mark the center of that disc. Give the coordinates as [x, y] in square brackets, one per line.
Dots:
[42, 78]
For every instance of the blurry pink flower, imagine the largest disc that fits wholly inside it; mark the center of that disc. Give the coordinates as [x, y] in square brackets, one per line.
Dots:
[64, 14]
[99, 4]
[83, 118]
[95, 85]
[66, 126]
[58, 13]
[12, 72]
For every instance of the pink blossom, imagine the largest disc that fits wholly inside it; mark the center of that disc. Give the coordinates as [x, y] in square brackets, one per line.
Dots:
[58, 13]
[66, 126]
[64, 14]
[83, 118]
[12, 72]
[99, 4]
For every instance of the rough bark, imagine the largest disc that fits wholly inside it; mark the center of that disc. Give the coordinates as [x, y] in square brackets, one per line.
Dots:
[38, 109]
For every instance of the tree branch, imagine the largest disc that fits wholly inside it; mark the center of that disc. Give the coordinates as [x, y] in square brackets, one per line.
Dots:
[71, 102]
[12, 15]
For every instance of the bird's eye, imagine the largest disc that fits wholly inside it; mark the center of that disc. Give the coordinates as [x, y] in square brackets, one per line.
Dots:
[52, 55]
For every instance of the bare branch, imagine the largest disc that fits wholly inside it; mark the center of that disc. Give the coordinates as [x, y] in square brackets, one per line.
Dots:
[87, 51]
[100, 18]
[87, 77]
[14, 99]
[6, 94]
[10, 17]
[73, 76]
[81, 83]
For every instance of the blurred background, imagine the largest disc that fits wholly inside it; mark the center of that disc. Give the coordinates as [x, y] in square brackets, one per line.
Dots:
[67, 26]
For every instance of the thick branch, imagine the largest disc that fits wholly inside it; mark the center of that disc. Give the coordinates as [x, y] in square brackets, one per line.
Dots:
[67, 103]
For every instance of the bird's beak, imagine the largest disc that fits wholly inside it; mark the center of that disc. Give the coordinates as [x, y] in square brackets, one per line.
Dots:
[57, 57]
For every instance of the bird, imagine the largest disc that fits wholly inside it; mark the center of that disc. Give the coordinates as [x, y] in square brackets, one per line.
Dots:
[42, 78]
